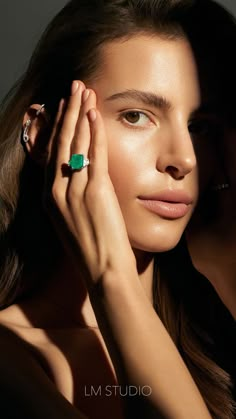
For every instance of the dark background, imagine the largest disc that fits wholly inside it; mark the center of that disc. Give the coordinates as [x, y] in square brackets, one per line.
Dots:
[21, 23]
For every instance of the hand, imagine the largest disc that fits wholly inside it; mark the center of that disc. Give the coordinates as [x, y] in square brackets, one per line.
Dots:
[86, 199]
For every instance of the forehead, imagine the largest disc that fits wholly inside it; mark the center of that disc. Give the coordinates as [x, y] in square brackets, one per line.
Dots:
[153, 63]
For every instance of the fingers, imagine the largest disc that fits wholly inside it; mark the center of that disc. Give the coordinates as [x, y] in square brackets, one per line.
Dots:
[78, 129]
[81, 142]
[67, 131]
[98, 149]
[71, 128]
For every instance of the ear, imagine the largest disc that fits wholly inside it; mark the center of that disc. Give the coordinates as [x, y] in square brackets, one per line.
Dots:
[37, 132]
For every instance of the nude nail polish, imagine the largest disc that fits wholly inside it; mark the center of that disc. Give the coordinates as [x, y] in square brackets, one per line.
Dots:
[86, 95]
[74, 87]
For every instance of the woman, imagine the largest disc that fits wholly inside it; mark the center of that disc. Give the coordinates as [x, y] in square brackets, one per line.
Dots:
[102, 183]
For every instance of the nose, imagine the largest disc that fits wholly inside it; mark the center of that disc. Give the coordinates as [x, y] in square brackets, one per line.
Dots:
[178, 156]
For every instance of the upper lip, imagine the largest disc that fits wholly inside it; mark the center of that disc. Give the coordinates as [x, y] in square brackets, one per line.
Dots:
[168, 195]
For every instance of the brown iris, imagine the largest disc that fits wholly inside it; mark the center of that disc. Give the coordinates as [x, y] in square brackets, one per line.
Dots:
[132, 117]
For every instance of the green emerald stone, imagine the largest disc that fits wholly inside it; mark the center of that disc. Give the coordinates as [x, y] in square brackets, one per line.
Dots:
[76, 161]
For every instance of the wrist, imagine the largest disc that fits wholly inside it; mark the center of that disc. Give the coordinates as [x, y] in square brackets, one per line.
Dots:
[116, 282]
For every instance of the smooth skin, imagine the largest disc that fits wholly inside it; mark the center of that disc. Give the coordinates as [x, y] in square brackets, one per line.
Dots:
[136, 146]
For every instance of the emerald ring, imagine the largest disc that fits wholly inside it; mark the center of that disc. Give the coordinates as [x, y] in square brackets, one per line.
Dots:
[78, 162]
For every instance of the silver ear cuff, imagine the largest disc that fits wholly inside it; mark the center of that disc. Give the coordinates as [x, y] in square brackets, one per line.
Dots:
[25, 135]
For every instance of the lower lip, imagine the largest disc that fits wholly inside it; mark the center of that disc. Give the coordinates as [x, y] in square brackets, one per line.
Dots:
[170, 210]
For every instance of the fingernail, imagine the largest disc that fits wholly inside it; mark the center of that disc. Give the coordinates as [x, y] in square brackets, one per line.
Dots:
[74, 87]
[86, 95]
[92, 114]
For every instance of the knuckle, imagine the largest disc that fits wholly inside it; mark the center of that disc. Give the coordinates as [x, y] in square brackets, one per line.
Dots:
[56, 194]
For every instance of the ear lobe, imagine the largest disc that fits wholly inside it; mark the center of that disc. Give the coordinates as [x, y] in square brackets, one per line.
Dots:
[35, 133]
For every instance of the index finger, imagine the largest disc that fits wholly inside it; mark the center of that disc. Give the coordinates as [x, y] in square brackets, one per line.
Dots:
[98, 151]
[68, 126]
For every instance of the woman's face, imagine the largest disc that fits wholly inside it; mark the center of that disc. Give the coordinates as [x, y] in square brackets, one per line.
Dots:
[147, 93]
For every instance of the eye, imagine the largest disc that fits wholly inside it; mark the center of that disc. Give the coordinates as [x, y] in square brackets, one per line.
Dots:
[200, 128]
[135, 119]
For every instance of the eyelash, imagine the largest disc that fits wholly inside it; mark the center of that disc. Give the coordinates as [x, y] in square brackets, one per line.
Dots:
[123, 115]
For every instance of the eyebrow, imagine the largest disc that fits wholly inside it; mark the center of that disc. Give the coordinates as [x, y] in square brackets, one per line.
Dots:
[151, 99]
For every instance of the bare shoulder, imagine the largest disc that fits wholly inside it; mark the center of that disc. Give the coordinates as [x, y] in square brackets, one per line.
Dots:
[33, 362]
[14, 319]
[13, 315]
[61, 349]
[69, 358]
[23, 380]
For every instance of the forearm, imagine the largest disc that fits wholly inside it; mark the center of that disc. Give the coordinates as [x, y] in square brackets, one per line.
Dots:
[148, 355]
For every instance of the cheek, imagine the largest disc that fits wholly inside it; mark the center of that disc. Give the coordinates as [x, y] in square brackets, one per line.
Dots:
[123, 169]
[130, 157]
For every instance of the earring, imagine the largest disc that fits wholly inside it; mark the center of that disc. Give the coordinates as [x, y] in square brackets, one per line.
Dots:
[25, 136]
[40, 109]
[220, 187]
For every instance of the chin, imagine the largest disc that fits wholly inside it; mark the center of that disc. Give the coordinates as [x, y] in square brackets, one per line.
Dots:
[156, 237]
[156, 245]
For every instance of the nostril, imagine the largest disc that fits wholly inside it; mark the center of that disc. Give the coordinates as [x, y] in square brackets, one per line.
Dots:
[175, 172]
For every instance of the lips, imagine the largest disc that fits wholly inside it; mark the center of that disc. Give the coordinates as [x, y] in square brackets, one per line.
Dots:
[167, 204]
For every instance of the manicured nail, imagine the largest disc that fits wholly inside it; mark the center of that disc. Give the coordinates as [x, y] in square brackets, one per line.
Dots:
[74, 87]
[92, 115]
[86, 95]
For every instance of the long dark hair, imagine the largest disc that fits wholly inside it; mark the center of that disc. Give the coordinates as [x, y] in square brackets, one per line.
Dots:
[71, 49]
